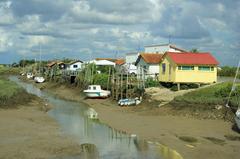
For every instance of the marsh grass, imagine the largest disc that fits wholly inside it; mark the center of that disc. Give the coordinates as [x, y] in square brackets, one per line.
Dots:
[232, 137]
[11, 95]
[204, 101]
[188, 139]
[216, 140]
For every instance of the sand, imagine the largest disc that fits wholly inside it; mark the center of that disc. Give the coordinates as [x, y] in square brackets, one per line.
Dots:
[165, 129]
[27, 132]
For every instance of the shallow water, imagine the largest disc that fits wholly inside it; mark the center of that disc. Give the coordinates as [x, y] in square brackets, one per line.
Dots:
[97, 139]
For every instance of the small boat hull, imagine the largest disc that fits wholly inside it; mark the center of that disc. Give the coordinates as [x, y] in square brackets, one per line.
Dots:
[39, 79]
[237, 119]
[29, 76]
[99, 94]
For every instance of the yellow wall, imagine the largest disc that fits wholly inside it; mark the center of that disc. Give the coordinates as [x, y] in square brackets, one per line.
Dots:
[186, 76]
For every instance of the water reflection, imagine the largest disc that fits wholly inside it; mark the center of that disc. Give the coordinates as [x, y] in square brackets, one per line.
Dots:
[100, 140]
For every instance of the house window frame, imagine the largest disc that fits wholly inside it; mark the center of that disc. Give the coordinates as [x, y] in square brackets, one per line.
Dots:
[75, 66]
[186, 68]
[206, 68]
[163, 68]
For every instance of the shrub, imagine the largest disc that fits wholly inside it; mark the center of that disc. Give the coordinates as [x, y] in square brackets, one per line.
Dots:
[101, 79]
[150, 82]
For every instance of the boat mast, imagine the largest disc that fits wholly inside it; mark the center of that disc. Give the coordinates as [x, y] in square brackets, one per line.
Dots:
[234, 82]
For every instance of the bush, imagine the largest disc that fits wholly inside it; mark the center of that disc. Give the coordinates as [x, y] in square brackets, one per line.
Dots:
[101, 79]
[228, 71]
[150, 82]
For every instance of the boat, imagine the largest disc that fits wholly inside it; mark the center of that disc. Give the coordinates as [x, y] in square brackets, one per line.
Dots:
[95, 91]
[237, 118]
[129, 101]
[39, 79]
[92, 114]
[228, 105]
[29, 75]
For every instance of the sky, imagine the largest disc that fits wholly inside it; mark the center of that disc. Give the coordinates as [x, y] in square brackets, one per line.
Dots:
[84, 29]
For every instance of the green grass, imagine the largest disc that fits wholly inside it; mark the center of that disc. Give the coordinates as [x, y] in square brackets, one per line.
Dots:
[11, 95]
[207, 97]
[7, 70]
[202, 103]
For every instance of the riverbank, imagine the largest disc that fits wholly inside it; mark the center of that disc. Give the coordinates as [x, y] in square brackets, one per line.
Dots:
[192, 138]
[26, 130]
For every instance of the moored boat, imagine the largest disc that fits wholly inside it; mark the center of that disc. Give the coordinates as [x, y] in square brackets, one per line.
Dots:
[95, 91]
[39, 79]
[29, 75]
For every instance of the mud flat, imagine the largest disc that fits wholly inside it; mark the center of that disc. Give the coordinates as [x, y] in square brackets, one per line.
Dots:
[26, 130]
[192, 138]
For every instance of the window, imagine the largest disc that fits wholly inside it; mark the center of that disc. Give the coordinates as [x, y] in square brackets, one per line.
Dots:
[75, 66]
[163, 68]
[185, 67]
[205, 68]
[94, 88]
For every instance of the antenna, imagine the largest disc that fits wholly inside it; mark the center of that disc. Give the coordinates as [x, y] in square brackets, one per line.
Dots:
[169, 39]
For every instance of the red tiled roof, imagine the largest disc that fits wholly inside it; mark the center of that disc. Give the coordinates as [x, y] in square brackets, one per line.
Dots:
[189, 58]
[120, 61]
[150, 58]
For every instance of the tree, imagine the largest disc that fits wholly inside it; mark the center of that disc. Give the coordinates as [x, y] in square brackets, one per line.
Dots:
[194, 50]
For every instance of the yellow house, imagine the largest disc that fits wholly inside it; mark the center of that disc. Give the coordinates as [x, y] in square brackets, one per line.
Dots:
[188, 67]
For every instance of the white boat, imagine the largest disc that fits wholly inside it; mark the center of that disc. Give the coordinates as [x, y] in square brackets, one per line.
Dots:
[237, 118]
[29, 75]
[95, 91]
[129, 102]
[234, 87]
[92, 114]
[39, 79]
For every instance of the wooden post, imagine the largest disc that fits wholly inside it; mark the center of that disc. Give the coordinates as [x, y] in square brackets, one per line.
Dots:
[178, 86]
[127, 86]
[109, 76]
[121, 87]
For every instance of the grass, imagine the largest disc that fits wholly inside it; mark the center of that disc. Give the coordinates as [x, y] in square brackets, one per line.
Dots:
[7, 70]
[215, 140]
[205, 98]
[201, 103]
[232, 137]
[188, 139]
[11, 95]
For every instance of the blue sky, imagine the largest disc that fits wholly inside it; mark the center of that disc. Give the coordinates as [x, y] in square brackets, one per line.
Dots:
[80, 29]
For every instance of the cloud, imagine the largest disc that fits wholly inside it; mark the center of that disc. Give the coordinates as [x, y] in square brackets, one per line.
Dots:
[77, 28]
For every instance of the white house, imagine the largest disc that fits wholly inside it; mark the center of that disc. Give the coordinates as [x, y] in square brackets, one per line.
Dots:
[75, 65]
[148, 63]
[131, 58]
[103, 63]
[162, 48]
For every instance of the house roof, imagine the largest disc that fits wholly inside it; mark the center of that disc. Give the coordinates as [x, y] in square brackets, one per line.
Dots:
[73, 62]
[189, 58]
[51, 64]
[120, 61]
[150, 58]
[108, 59]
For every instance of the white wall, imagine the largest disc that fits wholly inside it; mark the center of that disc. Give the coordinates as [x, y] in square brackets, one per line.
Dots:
[159, 49]
[131, 58]
[151, 69]
[72, 68]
